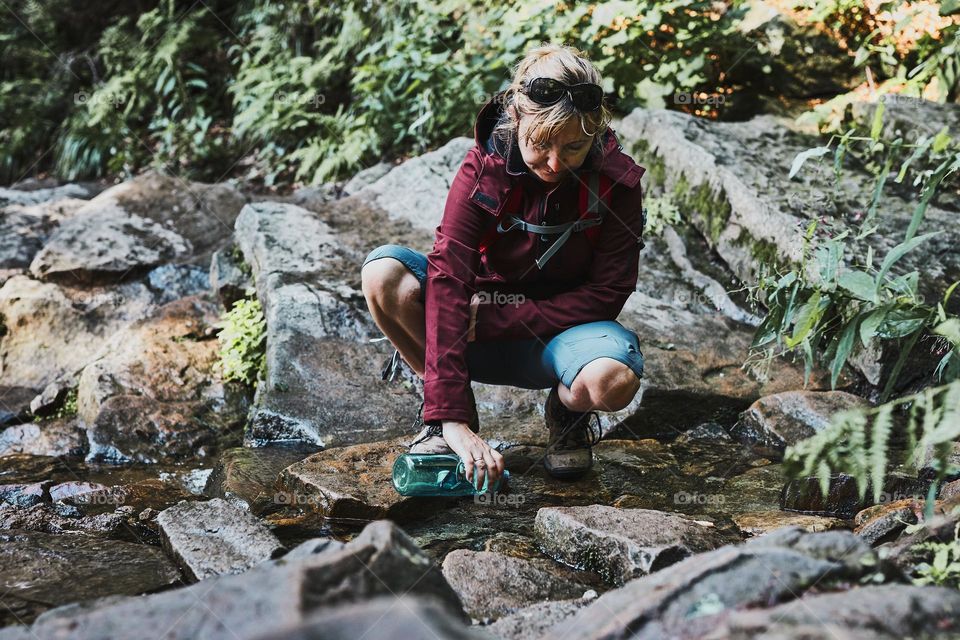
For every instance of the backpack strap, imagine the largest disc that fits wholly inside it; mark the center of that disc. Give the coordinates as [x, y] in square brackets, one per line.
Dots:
[594, 203]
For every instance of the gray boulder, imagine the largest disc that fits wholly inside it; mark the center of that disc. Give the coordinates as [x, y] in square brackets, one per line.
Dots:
[492, 585]
[215, 537]
[277, 594]
[322, 383]
[39, 571]
[620, 544]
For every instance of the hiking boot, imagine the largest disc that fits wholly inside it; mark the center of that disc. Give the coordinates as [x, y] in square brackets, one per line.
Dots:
[430, 438]
[569, 454]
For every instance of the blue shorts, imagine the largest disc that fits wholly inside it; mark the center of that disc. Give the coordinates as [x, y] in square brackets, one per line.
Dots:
[533, 363]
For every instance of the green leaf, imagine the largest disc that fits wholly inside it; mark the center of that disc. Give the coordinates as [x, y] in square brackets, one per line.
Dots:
[803, 156]
[859, 284]
[899, 251]
[844, 348]
[877, 126]
[868, 328]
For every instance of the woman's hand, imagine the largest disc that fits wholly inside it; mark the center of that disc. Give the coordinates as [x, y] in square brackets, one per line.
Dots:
[474, 306]
[479, 459]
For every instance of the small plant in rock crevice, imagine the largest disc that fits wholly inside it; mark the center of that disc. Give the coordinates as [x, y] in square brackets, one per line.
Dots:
[242, 339]
[943, 570]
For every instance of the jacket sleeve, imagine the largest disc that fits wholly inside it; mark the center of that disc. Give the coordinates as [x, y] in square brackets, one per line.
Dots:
[611, 279]
[451, 274]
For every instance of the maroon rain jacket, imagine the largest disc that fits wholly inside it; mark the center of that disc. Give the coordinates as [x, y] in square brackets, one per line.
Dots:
[583, 282]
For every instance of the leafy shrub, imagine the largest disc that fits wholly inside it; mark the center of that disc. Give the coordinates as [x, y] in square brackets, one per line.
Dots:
[242, 340]
[828, 304]
[944, 568]
[858, 441]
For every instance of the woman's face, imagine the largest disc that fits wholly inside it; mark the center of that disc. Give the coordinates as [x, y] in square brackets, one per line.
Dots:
[556, 158]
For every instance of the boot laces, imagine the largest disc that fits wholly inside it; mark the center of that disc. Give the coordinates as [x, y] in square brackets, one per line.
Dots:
[580, 431]
[434, 429]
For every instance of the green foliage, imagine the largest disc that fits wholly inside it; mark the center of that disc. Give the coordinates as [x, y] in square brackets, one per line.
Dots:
[944, 568]
[858, 441]
[661, 213]
[311, 91]
[901, 52]
[242, 340]
[67, 409]
[840, 299]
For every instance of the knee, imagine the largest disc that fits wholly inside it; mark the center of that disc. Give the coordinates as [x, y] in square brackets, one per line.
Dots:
[606, 385]
[387, 283]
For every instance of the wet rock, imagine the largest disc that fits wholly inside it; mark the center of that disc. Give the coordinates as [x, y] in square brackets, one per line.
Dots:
[14, 402]
[706, 432]
[383, 617]
[620, 544]
[229, 276]
[48, 438]
[759, 523]
[349, 483]
[69, 325]
[382, 560]
[25, 495]
[250, 473]
[105, 244]
[492, 585]
[688, 598]
[535, 620]
[215, 537]
[135, 496]
[417, 189]
[884, 522]
[843, 499]
[61, 518]
[885, 611]
[66, 490]
[905, 553]
[322, 381]
[774, 422]
[40, 571]
[136, 428]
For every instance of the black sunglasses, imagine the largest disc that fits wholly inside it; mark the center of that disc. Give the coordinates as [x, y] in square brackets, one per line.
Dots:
[546, 91]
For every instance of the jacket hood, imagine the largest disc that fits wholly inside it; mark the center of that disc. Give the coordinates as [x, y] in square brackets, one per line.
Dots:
[610, 161]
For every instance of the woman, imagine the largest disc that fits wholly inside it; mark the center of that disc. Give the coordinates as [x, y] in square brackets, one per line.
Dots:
[533, 260]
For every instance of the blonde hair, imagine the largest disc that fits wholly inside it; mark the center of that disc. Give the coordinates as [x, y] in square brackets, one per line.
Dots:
[563, 63]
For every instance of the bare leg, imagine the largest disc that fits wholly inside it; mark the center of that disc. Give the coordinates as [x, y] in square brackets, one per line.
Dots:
[393, 298]
[603, 384]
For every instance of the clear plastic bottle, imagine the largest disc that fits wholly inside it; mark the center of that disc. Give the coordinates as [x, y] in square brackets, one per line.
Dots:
[418, 474]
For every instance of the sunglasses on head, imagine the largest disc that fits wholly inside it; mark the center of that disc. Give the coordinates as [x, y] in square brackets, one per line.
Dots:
[546, 91]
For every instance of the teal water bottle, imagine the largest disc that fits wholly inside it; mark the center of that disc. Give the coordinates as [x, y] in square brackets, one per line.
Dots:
[420, 474]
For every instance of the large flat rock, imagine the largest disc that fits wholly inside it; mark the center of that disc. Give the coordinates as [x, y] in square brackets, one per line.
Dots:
[323, 384]
[620, 544]
[278, 594]
[36, 567]
[214, 537]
